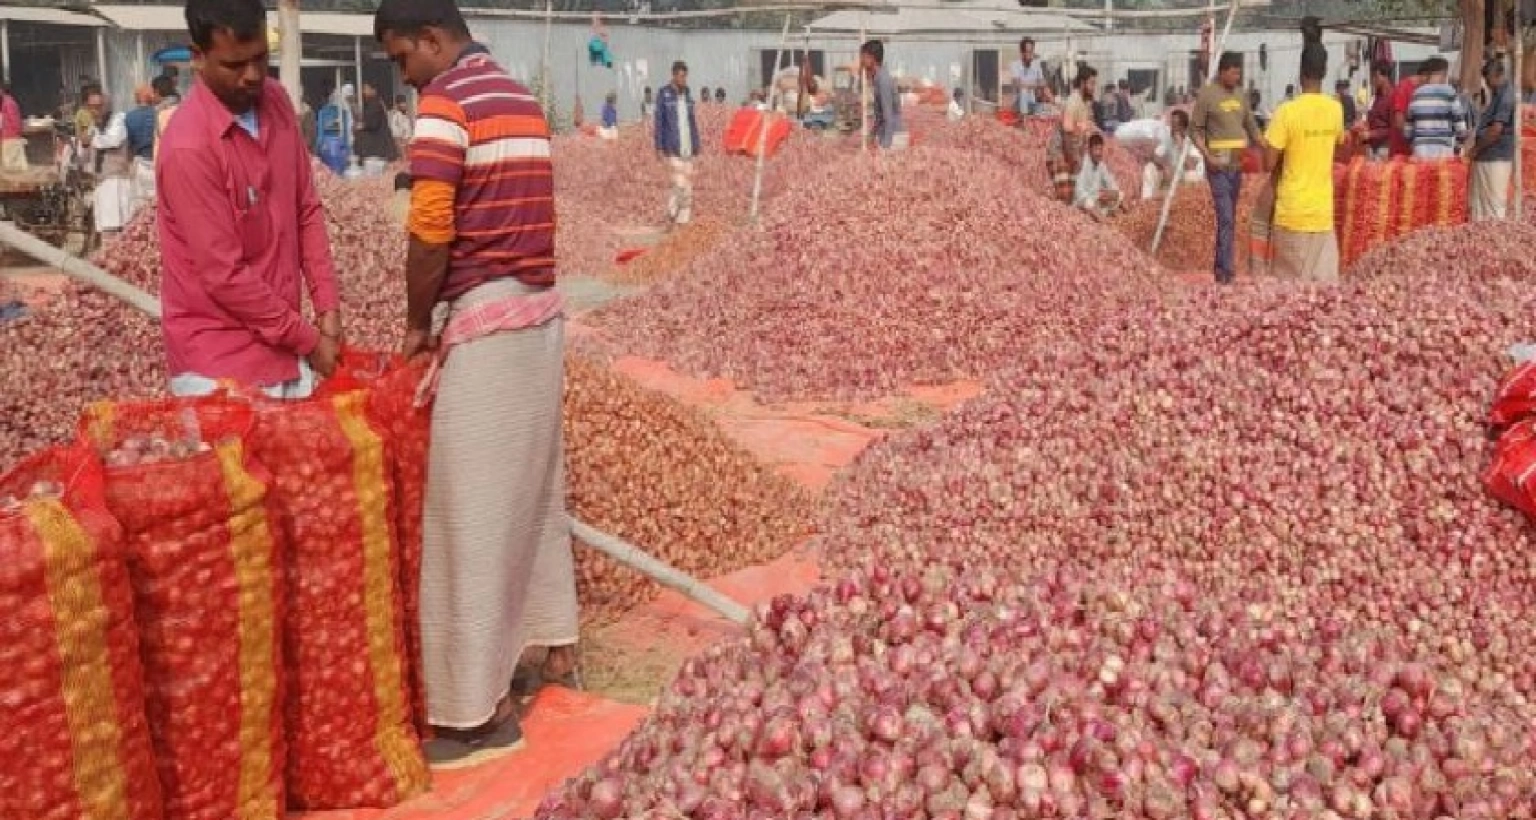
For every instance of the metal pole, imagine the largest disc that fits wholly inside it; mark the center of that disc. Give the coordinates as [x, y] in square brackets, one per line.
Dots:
[101, 58]
[138, 52]
[5, 50]
[1178, 168]
[357, 64]
[762, 127]
[290, 58]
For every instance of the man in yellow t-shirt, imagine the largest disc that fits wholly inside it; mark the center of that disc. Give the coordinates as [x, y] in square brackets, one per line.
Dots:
[1301, 141]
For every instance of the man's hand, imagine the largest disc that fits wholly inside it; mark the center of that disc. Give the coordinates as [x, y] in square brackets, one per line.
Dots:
[416, 343]
[323, 358]
[330, 325]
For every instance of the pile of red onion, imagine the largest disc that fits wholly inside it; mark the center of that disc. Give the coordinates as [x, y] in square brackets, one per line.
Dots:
[918, 271]
[951, 690]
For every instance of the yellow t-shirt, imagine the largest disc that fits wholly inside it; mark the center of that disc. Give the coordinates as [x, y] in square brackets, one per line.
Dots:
[1306, 130]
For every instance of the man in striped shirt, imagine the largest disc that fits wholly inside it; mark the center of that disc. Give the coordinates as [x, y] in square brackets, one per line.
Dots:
[1436, 120]
[497, 574]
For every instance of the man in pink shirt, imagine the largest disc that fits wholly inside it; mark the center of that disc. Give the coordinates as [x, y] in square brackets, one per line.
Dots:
[13, 149]
[240, 222]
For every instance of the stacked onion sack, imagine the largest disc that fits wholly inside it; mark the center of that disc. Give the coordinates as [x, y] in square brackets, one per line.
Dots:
[918, 272]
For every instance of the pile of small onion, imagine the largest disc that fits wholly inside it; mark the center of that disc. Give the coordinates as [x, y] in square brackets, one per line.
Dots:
[663, 476]
[949, 691]
[920, 271]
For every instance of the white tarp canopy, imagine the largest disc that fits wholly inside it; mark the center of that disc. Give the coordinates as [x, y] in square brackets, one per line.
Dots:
[52, 17]
[173, 18]
[960, 17]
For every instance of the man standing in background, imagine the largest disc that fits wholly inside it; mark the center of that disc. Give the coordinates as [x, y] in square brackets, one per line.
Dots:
[1402, 96]
[497, 572]
[1435, 122]
[1493, 148]
[241, 227]
[400, 126]
[165, 89]
[1301, 141]
[13, 149]
[1378, 120]
[1223, 127]
[886, 116]
[1029, 87]
[677, 141]
[1346, 101]
[140, 124]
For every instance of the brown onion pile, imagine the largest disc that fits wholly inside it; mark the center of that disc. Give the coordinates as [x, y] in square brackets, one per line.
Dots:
[1190, 236]
[664, 477]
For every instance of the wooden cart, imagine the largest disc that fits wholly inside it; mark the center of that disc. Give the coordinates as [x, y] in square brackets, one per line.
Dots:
[52, 207]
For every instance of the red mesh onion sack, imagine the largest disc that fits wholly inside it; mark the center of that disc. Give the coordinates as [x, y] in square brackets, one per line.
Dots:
[1516, 396]
[392, 384]
[1511, 476]
[351, 737]
[204, 559]
[74, 741]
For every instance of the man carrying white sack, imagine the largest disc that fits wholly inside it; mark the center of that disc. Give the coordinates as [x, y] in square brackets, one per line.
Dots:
[497, 574]
[1172, 141]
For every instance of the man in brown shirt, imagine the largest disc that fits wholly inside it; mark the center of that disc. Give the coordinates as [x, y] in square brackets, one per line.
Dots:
[1222, 127]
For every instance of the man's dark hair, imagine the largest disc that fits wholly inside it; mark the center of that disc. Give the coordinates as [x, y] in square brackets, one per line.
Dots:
[1314, 62]
[1382, 67]
[1125, 85]
[1493, 68]
[244, 20]
[399, 99]
[1180, 117]
[1085, 73]
[410, 18]
[1095, 140]
[679, 66]
[1229, 59]
[1026, 43]
[164, 86]
[1434, 65]
[875, 49]
[402, 181]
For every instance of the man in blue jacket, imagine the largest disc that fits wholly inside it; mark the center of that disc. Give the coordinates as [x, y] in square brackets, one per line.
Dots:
[677, 140]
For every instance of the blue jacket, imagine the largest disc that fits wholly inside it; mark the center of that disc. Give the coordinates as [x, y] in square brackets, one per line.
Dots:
[140, 124]
[668, 128]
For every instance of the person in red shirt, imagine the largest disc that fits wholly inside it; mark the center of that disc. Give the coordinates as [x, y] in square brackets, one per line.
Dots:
[13, 149]
[1378, 120]
[242, 233]
[1401, 96]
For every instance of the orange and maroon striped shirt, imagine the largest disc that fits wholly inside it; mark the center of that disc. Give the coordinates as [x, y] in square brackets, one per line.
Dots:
[482, 132]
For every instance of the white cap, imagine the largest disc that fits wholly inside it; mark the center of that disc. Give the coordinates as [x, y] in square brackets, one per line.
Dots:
[347, 91]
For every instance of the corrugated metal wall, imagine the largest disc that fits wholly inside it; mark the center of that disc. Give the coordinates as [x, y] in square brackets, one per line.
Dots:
[643, 57]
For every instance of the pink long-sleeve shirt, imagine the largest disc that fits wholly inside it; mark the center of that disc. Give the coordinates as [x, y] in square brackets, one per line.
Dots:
[10, 118]
[241, 233]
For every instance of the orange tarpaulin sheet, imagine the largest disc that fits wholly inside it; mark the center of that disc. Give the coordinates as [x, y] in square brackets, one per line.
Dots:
[744, 133]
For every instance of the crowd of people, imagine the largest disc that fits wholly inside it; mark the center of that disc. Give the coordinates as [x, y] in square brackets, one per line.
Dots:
[1423, 116]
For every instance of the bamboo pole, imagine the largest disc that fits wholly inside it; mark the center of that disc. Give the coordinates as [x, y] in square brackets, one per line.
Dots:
[77, 268]
[659, 571]
[1210, 76]
[762, 130]
[290, 56]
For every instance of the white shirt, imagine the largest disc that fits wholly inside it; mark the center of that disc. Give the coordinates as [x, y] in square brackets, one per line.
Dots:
[955, 111]
[1093, 179]
[399, 124]
[1027, 79]
[684, 132]
[1168, 150]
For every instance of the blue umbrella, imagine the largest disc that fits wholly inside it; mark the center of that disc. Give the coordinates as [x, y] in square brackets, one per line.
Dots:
[172, 54]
